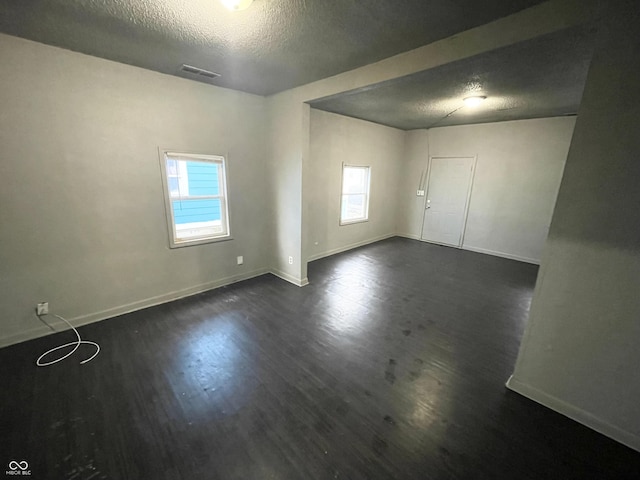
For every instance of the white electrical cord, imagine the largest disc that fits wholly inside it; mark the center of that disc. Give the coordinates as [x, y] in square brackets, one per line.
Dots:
[40, 363]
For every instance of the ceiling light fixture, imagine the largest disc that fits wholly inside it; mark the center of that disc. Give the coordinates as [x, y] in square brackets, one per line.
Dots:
[235, 5]
[474, 101]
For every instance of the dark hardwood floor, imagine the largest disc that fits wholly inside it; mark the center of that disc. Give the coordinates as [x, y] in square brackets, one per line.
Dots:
[390, 365]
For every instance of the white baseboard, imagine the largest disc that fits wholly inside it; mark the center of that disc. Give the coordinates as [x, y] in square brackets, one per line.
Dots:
[289, 278]
[25, 335]
[581, 416]
[409, 235]
[351, 246]
[128, 308]
[501, 254]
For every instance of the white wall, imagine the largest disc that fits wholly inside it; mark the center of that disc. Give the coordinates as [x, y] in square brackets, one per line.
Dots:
[414, 164]
[517, 176]
[580, 353]
[81, 205]
[335, 139]
[284, 155]
[516, 181]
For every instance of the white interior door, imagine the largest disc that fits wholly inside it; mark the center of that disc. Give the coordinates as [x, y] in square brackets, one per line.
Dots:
[447, 199]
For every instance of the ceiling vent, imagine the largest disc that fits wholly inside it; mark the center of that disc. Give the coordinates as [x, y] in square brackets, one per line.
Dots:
[195, 73]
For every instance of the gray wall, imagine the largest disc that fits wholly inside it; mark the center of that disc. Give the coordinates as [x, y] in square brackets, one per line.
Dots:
[580, 353]
[287, 134]
[414, 164]
[517, 176]
[516, 181]
[81, 203]
[336, 139]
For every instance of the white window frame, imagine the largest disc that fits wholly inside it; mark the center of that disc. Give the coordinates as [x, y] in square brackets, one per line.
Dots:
[366, 194]
[181, 176]
[174, 240]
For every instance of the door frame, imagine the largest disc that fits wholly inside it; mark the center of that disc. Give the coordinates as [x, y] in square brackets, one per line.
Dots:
[467, 201]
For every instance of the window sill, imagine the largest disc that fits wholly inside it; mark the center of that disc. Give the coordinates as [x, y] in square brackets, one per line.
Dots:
[199, 241]
[352, 222]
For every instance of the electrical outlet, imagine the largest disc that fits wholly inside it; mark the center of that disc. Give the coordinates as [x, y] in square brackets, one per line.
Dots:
[420, 193]
[42, 308]
[240, 259]
[290, 260]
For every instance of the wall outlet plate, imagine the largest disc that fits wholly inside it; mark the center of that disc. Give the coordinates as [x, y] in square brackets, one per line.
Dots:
[290, 260]
[420, 193]
[42, 308]
[240, 259]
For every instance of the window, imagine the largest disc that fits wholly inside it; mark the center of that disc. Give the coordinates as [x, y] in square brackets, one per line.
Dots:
[195, 191]
[355, 194]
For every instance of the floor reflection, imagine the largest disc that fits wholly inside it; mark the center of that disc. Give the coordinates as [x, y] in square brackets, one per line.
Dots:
[213, 368]
[348, 296]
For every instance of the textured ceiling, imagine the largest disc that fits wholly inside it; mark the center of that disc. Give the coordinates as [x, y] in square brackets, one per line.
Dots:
[272, 46]
[543, 77]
